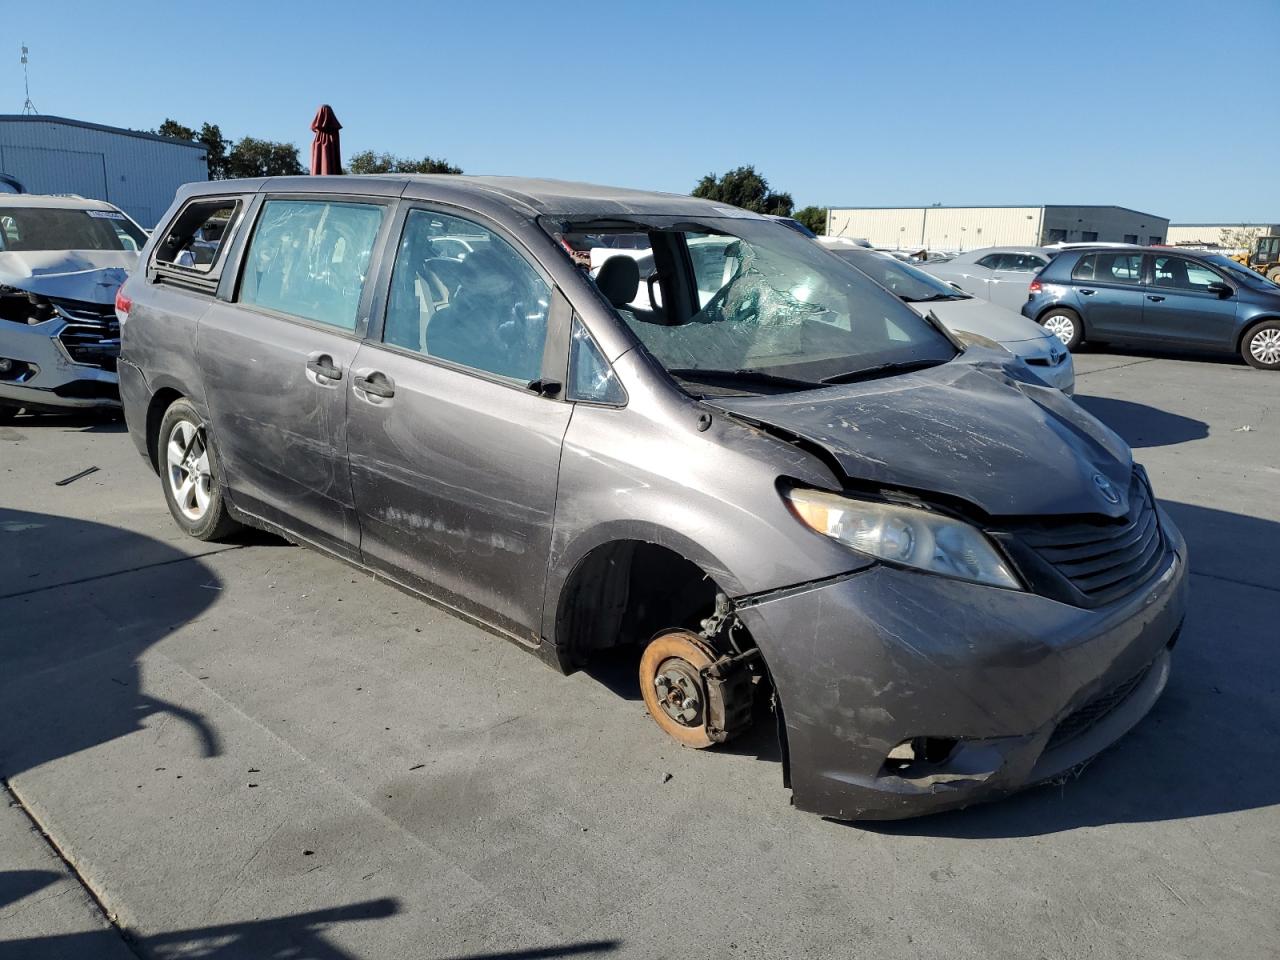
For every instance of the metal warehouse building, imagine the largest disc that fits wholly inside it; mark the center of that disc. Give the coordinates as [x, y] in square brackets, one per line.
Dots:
[966, 228]
[136, 171]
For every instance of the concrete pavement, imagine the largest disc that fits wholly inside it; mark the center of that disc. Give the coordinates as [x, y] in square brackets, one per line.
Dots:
[252, 750]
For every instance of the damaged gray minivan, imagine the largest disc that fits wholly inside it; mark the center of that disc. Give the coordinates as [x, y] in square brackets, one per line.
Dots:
[776, 483]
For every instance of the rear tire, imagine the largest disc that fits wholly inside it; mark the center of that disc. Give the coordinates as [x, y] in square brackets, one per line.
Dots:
[190, 475]
[1260, 345]
[1065, 324]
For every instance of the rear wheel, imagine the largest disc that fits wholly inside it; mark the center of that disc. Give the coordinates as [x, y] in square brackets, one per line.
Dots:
[188, 471]
[1065, 325]
[1261, 346]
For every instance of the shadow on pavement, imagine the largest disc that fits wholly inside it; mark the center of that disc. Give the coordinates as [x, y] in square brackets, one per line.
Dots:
[1191, 756]
[298, 936]
[1141, 425]
[80, 421]
[71, 678]
[16, 884]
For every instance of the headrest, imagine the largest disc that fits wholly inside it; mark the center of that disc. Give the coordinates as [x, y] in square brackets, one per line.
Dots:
[619, 279]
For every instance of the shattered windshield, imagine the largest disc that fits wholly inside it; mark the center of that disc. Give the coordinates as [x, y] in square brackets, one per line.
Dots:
[54, 228]
[750, 306]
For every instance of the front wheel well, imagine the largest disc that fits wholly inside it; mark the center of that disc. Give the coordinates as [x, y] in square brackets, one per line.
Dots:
[622, 593]
[1253, 325]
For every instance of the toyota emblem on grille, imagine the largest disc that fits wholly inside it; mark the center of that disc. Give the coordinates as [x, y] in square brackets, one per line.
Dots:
[1105, 488]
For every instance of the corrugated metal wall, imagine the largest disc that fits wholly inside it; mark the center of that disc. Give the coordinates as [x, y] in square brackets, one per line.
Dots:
[897, 229]
[1110, 224]
[137, 174]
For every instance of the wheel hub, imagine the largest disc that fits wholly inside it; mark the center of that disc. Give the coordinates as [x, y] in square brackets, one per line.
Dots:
[679, 692]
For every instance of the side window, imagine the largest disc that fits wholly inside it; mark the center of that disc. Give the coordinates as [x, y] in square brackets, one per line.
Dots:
[1183, 274]
[310, 258]
[1022, 263]
[715, 261]
[195, 239]
[992, 261]
[1109, 268]
[591, 379]
[487, 311]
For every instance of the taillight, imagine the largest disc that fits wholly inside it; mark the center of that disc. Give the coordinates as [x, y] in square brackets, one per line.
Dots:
[123, 305]
[1035, 287]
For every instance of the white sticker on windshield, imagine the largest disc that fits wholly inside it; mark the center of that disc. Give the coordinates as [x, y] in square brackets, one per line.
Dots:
[105, 214]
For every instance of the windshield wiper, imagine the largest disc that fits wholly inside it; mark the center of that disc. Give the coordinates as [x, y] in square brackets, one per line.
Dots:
[880, 369]
[933, 297]
[754, 377]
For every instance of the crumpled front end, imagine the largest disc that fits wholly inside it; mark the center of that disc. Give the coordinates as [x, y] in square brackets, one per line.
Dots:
[57, 353]
[905, 693]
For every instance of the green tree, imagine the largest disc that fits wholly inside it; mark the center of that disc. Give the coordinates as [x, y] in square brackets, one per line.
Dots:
[743, 187]
[251, 157]
[369, 162]
[815, 218]
[209, 136]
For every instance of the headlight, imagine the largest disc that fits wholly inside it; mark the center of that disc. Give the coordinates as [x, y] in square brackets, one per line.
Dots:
[915, 538]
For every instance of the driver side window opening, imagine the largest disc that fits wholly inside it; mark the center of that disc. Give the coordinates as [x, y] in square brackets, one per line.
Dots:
[461, 293]
[198, 235]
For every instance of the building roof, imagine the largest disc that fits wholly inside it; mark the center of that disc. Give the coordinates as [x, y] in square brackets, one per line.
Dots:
[66, 121]
[1001, 206]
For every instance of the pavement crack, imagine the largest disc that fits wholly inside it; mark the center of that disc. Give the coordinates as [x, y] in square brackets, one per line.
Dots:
[1237, 581]
[1114, 366]
[117, 573]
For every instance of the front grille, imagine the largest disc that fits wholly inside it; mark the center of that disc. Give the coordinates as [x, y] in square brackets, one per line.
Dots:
[92, 334]
[1102, 560]
[1083, 720]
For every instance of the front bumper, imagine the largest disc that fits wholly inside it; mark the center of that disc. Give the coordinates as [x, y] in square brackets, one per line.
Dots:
[45, 377]
[883, 656]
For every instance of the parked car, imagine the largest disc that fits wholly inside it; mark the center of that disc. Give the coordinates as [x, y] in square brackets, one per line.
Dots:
[967, 316]
[998, 274]
[1159, 297]
[782, 487]
[61, 261]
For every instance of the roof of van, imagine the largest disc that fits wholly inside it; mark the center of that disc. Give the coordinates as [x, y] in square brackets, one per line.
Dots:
[539, 196]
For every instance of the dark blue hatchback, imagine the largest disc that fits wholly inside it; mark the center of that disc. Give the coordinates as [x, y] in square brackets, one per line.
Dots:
[1158, 297]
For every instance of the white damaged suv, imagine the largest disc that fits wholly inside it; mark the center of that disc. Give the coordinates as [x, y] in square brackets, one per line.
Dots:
[62, 259]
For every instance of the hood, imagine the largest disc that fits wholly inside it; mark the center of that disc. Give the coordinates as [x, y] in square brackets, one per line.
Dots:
[983, 318]
[968, 429]
[90, 276]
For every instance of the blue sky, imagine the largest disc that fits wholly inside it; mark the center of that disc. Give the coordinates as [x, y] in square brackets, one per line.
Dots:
[1155, 106]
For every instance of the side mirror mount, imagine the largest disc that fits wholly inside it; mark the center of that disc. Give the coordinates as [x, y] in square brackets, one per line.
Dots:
[1222, 290]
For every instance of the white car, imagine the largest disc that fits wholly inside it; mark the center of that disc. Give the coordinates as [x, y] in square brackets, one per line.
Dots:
[61, 261]
[963, 314]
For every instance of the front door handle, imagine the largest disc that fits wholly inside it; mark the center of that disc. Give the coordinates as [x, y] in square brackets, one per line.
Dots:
[1087, 293]
[322, 365]
[1153, 298]
[376, 384]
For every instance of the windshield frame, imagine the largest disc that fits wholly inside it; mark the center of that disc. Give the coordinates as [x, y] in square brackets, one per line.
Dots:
[926, 338]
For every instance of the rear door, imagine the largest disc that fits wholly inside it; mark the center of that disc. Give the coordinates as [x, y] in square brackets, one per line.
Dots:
[277, 361]
[975, 278]
[456, 419]
[1109, 292]
[1180, 308]
[1011, 278]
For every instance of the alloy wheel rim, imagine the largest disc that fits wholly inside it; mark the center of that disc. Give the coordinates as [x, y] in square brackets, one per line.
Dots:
[1265, 346]
[190, 480]
[1061, 327]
